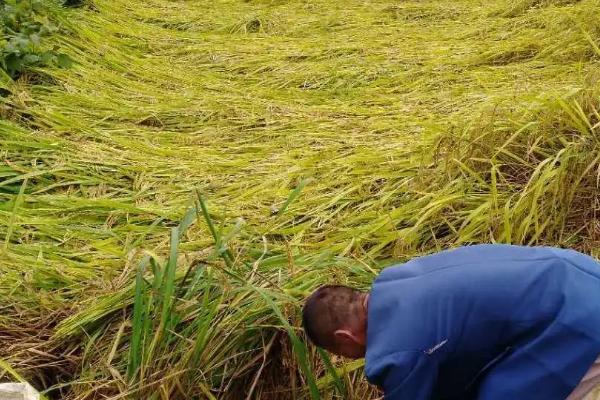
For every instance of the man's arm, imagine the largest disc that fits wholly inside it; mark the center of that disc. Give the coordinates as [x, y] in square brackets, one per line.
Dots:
[408, 376]
[548, 367]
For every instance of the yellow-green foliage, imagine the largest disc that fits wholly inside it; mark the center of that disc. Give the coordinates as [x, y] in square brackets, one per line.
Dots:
[327, 138]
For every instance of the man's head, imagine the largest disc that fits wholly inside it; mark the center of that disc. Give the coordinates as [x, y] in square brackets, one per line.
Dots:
[335, 318]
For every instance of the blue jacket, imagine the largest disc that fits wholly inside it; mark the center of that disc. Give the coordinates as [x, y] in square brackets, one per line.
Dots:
[492, 322]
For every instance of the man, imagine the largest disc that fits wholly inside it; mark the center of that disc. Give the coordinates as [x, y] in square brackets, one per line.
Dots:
[491, 322]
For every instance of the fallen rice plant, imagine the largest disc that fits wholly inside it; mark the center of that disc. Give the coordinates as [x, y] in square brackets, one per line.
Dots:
[328, 140]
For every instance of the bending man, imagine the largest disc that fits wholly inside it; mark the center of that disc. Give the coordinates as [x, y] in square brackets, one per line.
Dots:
[489, 322]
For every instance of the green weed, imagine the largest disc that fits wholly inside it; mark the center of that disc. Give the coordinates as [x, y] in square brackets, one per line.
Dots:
[23, 26]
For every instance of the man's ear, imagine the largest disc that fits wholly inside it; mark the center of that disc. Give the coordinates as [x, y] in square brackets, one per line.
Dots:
[346, 336]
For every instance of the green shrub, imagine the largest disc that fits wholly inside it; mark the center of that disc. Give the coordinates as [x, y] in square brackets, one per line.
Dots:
[23, 26]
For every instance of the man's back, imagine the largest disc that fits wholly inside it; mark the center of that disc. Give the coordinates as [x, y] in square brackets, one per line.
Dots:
[485, 322]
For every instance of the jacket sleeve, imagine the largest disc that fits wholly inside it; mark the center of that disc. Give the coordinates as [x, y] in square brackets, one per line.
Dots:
[408, 376]
[547, 367]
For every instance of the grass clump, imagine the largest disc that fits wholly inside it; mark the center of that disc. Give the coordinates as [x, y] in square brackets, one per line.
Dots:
[535, 175]
[328, 140]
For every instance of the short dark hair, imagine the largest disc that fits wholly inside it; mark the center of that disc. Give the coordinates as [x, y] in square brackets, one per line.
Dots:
[328, 309]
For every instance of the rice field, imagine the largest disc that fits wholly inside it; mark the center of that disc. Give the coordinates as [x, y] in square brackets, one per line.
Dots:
[168, 201]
